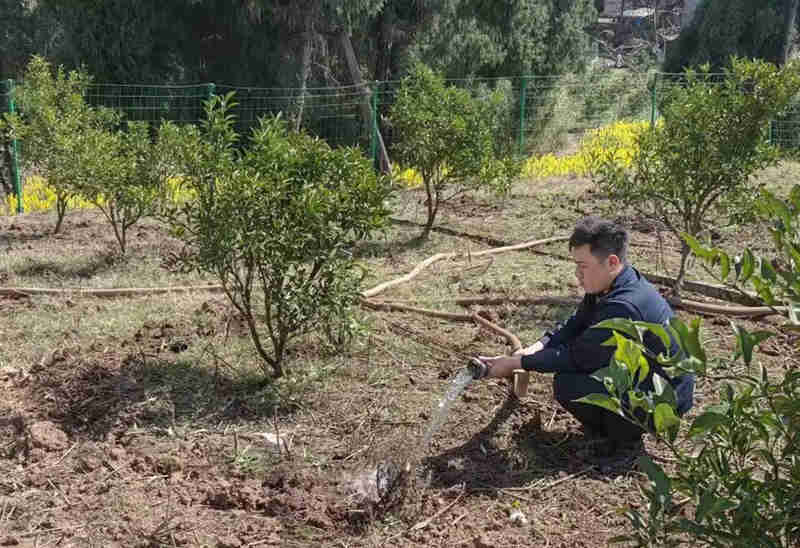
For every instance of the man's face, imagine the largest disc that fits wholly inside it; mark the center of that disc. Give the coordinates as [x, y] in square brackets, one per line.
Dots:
[595, 275]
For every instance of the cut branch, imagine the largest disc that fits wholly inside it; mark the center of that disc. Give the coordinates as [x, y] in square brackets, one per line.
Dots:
[440, 256]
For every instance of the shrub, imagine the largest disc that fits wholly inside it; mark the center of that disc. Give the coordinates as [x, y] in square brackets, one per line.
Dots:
[448, 137]
[274, 223]
[53, 119]
[695, 166]
[122, 172]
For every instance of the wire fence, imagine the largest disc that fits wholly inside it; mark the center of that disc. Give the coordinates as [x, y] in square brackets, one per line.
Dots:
[540, 113]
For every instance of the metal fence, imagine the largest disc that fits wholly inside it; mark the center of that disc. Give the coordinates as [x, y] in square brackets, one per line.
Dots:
[541, 113]
[9, 151]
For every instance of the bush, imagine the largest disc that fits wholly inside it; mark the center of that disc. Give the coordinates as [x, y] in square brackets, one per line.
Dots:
[448, 137]
[739, 463]
[695, 166]
[53, 119]
[274, 223]
[121, 172]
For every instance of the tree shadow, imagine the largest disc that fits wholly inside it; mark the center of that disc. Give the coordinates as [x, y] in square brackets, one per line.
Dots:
[80, 268]
[88, 397]
[387, 247]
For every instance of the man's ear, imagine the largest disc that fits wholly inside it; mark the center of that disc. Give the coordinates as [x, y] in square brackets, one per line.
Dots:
[613, 261]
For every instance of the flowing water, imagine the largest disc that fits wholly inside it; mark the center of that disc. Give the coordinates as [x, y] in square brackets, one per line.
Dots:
[457, 386]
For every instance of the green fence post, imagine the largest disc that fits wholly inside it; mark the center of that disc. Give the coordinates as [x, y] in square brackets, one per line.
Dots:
[373, 136]
[653, 98]
[522, 96]
[14, 149]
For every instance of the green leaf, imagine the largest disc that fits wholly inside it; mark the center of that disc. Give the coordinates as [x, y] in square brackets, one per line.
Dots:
[665, 418]
[689, 337]
[710, 504]
[656, 475]
[622, 325]
[697, 248]
[768, 272]
[725, 264]
[602, 400]
[706, 422]
[748, 263]
[746, 342]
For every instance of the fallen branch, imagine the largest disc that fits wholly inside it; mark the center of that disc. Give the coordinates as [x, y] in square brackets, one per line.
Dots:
[119, 292]
[512, 339]
[423, 524]
[440, 256]
[737, 311]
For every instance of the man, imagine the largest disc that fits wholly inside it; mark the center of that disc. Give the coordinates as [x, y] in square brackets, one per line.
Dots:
[613, 289]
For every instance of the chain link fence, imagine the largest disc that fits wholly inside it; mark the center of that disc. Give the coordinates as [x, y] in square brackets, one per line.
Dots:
[540, 113]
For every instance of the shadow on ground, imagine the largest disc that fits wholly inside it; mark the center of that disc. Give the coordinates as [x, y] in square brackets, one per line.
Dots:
[86, 267]
[101, 394]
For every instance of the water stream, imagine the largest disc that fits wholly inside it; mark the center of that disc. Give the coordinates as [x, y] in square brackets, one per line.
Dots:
[457, 386]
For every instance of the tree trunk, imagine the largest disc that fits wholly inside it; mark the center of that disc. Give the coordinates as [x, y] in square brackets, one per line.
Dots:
[366, 109]
[685, 252]
[305, 70]
[433, 207]
[788, 31]
[61, 210]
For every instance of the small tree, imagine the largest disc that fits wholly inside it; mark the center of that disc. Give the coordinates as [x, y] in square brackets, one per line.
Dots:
[121, 172]
[738, 463]
[695, 165]
[448, 137]
[53, 121]
[274, 222]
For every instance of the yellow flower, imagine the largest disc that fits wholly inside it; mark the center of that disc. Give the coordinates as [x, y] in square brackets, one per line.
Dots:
[617, 141]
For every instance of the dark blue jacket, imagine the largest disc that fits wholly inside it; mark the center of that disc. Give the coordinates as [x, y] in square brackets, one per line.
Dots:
[578, 348]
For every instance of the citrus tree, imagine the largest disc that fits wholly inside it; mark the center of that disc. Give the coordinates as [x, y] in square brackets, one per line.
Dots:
[274, 222]
[448, 137]
[694, 166]
[54, 120]
[122, 172]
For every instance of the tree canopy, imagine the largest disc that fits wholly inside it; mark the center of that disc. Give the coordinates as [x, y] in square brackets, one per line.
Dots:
[761, 29]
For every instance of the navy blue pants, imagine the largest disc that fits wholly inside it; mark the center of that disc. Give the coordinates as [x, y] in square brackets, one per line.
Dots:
[568, 387]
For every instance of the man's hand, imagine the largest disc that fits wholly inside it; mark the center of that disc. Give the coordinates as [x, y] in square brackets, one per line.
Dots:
[501, 366]
[532, 349]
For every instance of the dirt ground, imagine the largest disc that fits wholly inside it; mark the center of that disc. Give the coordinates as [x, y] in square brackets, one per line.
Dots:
[145, 421]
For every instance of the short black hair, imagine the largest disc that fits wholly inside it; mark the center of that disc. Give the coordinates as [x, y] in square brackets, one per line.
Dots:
[604, 238]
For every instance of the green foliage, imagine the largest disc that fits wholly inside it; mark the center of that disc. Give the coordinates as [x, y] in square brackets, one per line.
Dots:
[738, 464]
[54, 123]
[274, 222]
[447, 136]
[509, 37]
[695, 165]
[725, 28]
[121, 172]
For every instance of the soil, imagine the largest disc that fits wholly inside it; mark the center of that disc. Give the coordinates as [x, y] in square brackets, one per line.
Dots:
[98, 446]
